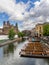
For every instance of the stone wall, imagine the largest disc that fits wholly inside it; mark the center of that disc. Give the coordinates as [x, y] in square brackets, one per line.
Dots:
[2, 37]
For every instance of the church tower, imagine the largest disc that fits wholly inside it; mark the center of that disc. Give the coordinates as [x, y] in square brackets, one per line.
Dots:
[4, 23]
[8, 24]
[16, 27]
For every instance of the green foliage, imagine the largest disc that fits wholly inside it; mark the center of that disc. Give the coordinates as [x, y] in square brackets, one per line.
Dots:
[11, 34]
[20, 34]
[46, 29]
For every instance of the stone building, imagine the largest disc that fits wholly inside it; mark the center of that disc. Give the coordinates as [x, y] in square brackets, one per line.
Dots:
[7, 26]
[39, 30]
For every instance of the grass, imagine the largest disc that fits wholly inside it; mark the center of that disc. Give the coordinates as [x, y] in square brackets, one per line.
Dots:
[2, 41]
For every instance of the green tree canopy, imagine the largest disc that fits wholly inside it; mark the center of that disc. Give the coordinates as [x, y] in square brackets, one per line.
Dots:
[46, 29]
[20, 34]
[11, 34]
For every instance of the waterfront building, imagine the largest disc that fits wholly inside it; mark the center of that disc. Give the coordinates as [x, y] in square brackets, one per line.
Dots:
[39, 30]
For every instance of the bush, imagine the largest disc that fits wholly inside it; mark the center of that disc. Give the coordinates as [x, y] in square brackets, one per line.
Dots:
[20, 34]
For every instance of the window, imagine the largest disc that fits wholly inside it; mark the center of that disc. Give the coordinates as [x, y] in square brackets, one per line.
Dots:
[40, 30]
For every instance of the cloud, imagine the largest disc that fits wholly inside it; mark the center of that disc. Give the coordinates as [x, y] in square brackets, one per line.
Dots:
[41, 9]
[1, 27]
[18, 11]
[37, 14]
[28, 24]
[13, 9]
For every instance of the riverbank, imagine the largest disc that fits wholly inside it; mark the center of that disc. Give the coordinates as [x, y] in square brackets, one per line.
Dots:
[2, 41]
[10, 41]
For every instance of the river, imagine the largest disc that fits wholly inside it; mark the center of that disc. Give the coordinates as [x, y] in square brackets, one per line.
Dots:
[9, 55]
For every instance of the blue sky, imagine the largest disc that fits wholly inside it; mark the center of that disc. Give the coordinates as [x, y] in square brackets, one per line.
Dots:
[25, 1]
[26, 13]
[5, 17]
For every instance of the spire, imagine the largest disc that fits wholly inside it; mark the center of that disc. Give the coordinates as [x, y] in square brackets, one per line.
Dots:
[4, 23]
[8, 23]
[16, 25]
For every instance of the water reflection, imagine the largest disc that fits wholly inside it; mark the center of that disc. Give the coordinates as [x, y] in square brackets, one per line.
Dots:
[9, 55]
[9, 49]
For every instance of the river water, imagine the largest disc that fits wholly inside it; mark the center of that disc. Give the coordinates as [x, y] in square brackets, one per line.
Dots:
[9, 55]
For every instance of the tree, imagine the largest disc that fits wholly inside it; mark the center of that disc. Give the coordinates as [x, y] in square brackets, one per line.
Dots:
[11, 34]
[46, 29]
[26, 32]
[20, 34]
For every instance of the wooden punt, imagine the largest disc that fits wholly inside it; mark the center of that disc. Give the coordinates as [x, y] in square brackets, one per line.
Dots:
[22, 54]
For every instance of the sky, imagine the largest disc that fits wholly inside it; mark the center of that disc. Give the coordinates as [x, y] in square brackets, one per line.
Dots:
[27, 13]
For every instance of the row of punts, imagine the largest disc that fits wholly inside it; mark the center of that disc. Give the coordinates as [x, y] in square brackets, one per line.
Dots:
[35, 49]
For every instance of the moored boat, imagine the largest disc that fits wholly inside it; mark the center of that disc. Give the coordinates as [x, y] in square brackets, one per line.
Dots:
[35, 50]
